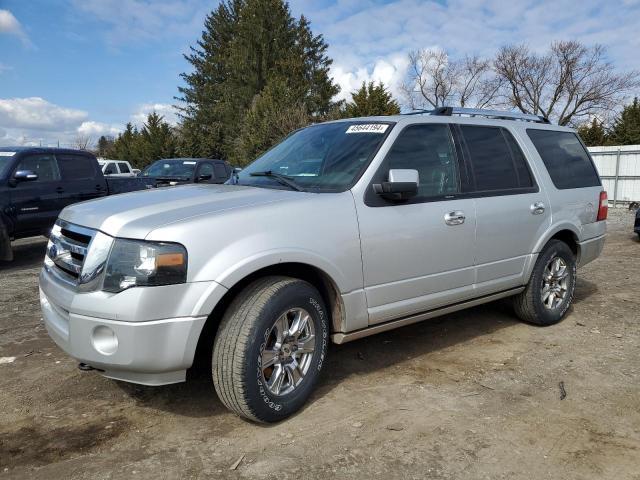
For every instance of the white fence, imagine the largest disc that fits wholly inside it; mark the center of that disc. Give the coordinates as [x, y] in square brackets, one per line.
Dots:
[619, 168]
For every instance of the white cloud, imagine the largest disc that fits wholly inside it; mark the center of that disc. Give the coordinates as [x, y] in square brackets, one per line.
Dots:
[97, 129]
[10, 25]
[5, 68]
[167, 111]
[390, 71]
[38, 114]
[370, 39]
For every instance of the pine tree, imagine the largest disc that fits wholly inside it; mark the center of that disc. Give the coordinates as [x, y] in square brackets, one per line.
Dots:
[156, 140]
[370, 100]
[105, 146]
[593, 134]
[246, 46]
[626, 128]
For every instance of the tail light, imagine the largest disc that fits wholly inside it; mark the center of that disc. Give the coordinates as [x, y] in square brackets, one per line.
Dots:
[603, 207]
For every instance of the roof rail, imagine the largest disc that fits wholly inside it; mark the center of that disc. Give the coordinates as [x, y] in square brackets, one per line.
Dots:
[480, 112]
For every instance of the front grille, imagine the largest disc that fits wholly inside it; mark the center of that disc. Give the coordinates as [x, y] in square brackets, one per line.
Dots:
[67, 249]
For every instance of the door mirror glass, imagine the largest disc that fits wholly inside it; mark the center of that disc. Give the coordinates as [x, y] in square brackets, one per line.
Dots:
[25, 176]
[402, 184]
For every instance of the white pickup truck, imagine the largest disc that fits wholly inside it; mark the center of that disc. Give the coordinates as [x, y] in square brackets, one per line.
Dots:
[117, 168]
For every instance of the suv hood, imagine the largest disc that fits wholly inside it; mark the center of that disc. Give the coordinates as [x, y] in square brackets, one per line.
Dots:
[136, 214]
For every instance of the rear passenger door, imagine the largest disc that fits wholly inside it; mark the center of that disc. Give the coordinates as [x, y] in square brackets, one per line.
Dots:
[512, 211]
[80, 179]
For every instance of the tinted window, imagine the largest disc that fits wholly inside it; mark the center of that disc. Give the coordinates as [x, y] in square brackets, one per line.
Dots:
[429, 150]
[221, 172]
[171, 168]
[522, 169]
[491, 161]
[110, 169]
[566, 159]
[44, 165]
[124, 168]
[76, 167]
[5, 161]
[205, 169]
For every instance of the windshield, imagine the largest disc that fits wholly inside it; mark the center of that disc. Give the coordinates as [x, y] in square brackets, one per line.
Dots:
[171, 168]
[325, 157]
[5, 160]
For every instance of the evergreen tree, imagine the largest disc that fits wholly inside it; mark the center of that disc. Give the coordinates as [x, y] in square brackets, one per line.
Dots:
[248, 45]
[105, 146]
[626, 128]
[593, 134]
[126, 146]
[371, 100]
[156, 140]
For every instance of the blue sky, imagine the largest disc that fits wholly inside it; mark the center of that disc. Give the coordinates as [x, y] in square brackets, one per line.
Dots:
[86, 67]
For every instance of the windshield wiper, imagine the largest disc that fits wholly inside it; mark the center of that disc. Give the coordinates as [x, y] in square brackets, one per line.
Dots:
[283, 179]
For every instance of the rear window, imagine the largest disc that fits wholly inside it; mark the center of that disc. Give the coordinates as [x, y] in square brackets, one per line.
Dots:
[221, 172]
[566, 159]
[496, 159]
[124, 168]
[76, 167]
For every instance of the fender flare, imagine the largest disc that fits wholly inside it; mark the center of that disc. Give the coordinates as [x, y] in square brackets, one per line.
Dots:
[553, 230]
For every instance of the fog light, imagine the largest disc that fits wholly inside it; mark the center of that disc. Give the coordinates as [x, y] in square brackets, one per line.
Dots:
[104, 340]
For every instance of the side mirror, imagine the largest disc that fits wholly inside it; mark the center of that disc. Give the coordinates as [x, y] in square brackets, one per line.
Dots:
[204, 177]
[402, 185]
[25, 176]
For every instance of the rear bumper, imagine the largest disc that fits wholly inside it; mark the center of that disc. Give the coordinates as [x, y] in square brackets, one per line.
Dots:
[590, 250]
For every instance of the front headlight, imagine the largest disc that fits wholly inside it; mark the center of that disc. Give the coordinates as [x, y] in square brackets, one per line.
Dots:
[144, 264]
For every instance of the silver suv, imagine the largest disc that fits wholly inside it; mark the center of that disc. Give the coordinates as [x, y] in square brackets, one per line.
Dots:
[345, 229]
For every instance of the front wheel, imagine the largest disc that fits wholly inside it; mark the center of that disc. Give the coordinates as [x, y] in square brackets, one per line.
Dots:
[549, 293]
[270, 348]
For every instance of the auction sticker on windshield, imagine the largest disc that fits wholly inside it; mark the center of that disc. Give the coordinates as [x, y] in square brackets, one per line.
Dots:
[368, 128]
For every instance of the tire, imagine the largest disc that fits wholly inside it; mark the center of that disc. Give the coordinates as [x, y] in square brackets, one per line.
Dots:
[248, 334]
[529, 304]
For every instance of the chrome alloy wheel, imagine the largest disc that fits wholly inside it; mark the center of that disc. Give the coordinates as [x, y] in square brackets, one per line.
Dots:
[288, 351]
[555, 283]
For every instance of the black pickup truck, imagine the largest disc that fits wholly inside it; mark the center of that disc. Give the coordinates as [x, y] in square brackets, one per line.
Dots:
[37, 183]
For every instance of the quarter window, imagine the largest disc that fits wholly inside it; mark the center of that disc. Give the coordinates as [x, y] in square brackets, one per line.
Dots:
[429, 150]
[567, 161]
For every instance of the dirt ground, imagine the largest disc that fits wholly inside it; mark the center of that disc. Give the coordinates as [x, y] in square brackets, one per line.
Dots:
[471, 395]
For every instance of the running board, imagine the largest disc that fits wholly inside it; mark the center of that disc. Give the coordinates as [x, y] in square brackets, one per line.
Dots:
[383, 327]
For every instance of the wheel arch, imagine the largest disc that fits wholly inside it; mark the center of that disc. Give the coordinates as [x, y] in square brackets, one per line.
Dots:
[320, 279]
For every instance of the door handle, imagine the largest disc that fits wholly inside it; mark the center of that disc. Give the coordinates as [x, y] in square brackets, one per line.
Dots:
[537, 208]
[454, 218]
[59, 190]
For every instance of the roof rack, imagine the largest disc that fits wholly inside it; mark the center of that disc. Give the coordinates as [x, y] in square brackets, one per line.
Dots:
[479, 112]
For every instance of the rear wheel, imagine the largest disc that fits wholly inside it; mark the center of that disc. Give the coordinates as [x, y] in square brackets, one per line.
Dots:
[550, 290]
[270, 348]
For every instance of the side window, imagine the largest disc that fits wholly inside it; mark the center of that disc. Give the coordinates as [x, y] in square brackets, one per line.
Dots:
[491, 162]
[429, 150]
[44, 165]
[124, 168]
[221, 172]
[566, 159]
[522, 169]
[205, 169]
[76, 167]
[110, 169]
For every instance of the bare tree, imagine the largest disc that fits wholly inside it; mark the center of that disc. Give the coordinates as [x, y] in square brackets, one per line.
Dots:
[569, 83]
[434, 80]
[82, 142]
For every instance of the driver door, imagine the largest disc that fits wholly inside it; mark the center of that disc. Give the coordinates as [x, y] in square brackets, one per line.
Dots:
[416, 256]
[36, 204]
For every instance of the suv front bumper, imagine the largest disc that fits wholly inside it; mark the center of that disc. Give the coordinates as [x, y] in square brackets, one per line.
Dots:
[149, 352]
